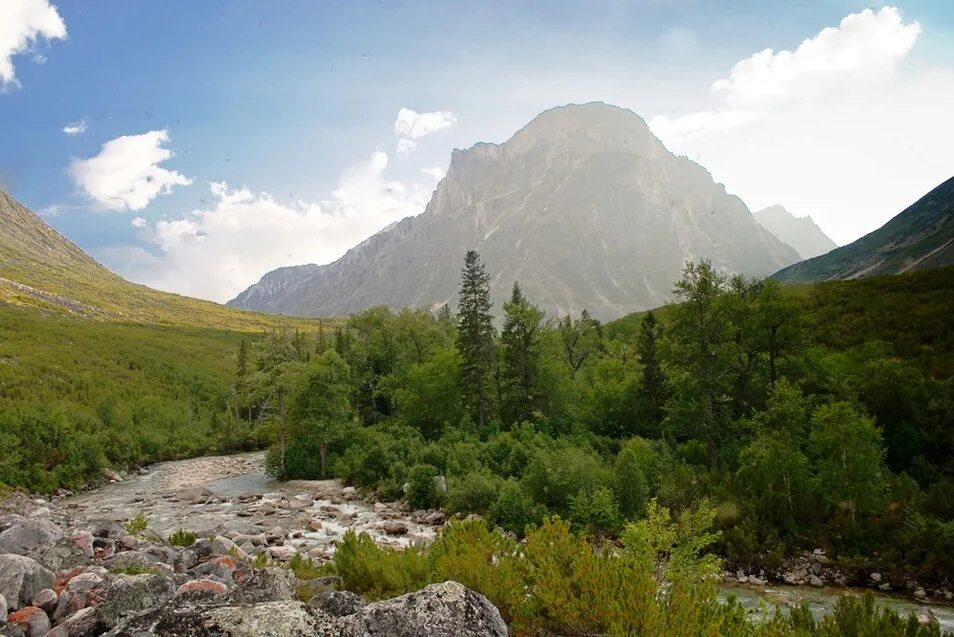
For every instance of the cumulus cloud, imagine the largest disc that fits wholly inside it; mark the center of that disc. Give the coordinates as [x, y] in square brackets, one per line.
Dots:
[22, 24]
[75, 128]
[864, 47]
[216, 252]
[126, 175]
[139, 222]
[840, 128]
[411, 126]
[868, 43]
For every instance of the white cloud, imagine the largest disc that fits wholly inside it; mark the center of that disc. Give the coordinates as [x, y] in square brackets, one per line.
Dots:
[839, 129]
[411, 125]
[216, 252]
[436, 172]
[126, 175]
[75, 128]
[868, 43]
[22, 24]
[139, 222]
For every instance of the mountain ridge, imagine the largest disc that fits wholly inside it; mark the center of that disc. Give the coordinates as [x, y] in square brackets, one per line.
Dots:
[920, 237]
[802, 233]
[583, 205]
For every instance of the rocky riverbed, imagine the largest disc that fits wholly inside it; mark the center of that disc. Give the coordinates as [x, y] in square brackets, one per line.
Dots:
[84, 571]
[76, 567]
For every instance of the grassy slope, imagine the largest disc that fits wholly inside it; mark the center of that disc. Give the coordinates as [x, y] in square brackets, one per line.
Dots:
[912, 312]
[43, 269]
[920, 237]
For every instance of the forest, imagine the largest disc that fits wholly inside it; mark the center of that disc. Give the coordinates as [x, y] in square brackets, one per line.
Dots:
[801, 418]
[798, 418]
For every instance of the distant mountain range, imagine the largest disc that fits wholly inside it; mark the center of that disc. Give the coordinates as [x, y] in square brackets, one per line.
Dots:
[584, 206]
[799, 232]
[921, 237]
[41, 268]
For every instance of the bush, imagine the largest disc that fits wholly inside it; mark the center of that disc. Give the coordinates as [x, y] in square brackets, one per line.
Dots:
[631, 488]
[596, 511]
[555, 476]
[475, 492]
[377, 573]
[182, 538]
[136, 524]
[514, 510]
[422, 491]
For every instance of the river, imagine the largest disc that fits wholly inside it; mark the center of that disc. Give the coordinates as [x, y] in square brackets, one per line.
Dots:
[224, 494]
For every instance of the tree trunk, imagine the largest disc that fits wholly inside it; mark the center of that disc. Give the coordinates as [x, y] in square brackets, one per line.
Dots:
[324, 460]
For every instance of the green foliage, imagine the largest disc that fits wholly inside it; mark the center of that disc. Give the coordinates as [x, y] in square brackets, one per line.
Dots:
[422, 491]
[632, 490]
[304, 568]
[514, 509]
[520, 342]
[136, 524]
[473, 492]
[182, 538]
[475, 336]
[596, 511]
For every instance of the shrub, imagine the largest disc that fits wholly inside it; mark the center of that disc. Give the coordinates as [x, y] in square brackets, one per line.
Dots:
[514, 509]
[182, 538]
[422, 491]
[474, 492]
[136, 524]
[377, 573]
[596, 511]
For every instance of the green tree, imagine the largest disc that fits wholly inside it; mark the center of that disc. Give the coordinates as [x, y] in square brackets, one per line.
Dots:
[779, 321]
[520, 351]
[632, 491]
[581, 339]
[652, 389]
[321, 407]
[475, 335]
[699, 353]
[849, 458]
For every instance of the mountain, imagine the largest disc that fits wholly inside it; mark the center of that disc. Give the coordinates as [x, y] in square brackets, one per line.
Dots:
[799, 232]
[584, 206]
[921, 237]
[41, 268]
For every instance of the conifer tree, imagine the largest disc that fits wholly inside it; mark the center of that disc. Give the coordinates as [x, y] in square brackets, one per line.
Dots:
[653, 388]
[475, 334]
[520, 350]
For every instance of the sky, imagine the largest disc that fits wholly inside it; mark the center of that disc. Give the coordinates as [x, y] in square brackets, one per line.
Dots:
[194, 146]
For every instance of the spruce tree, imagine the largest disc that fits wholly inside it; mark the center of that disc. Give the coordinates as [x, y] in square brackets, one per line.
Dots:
[520, 345]
[653, 388]
[475, 334]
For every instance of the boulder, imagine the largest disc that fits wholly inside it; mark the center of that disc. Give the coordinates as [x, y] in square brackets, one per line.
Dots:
[337, 603]
[271, 584]
[268, 619]
[82, 623]
[816, 581]
[128, 560]
[28, 535]
[21, 578]
[282, 553]
[441, 610]
[131, 594]
[202, 589]
[31, 620]
[3, 609]
[394, 527]
[60, 555]
[224, 546]
[45, 599]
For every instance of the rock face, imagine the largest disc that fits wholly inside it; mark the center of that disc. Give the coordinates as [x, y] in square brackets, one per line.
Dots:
[799, 232]
[440, 610]
[919, 238]
[584, 206]
[21, 578]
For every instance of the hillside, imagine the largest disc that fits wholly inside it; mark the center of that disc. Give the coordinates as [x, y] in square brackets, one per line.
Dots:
[910, 312]
[584, 206]
[41, 268]
[799, 232]
[919, 238]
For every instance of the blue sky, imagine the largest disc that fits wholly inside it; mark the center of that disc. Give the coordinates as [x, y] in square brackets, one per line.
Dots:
[294, 105]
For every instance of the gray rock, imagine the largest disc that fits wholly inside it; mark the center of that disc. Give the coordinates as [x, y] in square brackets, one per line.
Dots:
[82, 623]
[60, 555]
[441, 610]
[26, 536]
[45, 599]
[268, 619]
[131, 594]
[21, 578]
[32, 621]
[3, 609]
[816, 581]
[337, 603]
[265, 585]
[224, 546]
[128, 559]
